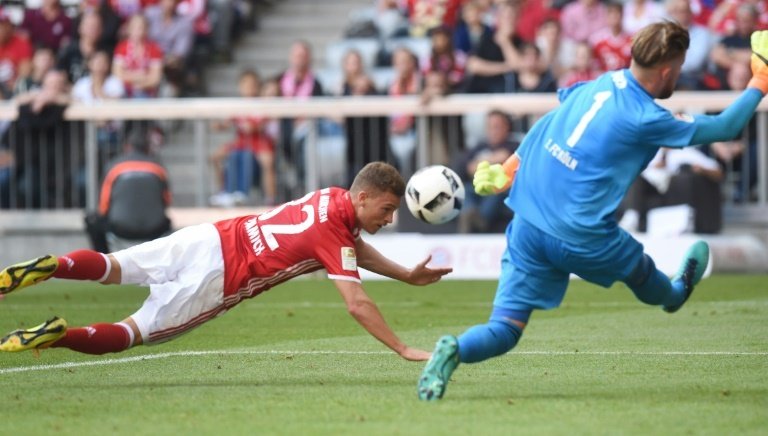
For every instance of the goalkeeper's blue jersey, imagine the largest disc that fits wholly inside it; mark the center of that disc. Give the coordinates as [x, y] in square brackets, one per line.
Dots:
[578, 161]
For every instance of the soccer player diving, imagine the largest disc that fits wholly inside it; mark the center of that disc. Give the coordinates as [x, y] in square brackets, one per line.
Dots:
[200, 272]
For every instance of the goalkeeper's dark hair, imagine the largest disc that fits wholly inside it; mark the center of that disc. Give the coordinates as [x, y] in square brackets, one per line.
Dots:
[658, 43]
[380, 177]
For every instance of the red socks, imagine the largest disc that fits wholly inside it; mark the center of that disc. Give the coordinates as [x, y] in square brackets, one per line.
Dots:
[83, 265]
[97, 339]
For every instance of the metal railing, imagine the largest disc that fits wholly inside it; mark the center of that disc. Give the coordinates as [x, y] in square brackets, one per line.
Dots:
[79, 163]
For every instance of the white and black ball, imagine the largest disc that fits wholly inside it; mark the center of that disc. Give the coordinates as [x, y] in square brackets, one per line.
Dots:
[434, 194]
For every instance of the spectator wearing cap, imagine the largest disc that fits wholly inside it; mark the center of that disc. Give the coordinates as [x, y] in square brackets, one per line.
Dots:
[47, 26]
[15, 55]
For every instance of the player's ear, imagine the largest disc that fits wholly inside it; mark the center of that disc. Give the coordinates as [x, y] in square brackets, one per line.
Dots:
[362, 195]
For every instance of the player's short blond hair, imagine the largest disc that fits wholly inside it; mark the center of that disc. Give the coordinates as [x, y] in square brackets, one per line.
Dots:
[380, 177]
[658, 43]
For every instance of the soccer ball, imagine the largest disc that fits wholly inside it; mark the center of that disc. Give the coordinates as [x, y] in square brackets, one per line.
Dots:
[435, 194]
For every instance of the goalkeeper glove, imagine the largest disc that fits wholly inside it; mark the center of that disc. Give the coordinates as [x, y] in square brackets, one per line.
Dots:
[759, 61]
[491, 179]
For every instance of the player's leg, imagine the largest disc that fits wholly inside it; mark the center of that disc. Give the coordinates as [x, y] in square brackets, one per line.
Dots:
[652, 286]
[527, 281]
[496, 337]
[190, 293]
[97, 338]
[481, 342]
[77, 265]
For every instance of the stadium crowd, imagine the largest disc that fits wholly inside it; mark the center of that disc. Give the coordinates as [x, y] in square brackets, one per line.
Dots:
[150, 48]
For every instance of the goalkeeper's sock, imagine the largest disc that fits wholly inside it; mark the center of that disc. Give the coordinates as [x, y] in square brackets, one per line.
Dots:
[653, 287]
[484, 341]
[83, 265]
[97, 338]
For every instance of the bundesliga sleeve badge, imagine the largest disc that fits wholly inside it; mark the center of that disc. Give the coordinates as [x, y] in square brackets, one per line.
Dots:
[348, 259]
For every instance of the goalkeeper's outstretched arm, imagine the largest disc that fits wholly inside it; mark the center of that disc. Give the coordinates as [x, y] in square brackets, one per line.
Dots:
[726, 125]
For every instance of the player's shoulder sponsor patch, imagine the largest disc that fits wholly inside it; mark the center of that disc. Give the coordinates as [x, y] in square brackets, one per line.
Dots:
[348, 259]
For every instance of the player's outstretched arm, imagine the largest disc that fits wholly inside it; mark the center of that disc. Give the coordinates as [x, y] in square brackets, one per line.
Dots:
[726, 125]
[371, 259]
[759, 62]
[367, 314]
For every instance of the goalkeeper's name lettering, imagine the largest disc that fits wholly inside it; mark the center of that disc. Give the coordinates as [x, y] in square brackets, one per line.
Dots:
[563, 156]
[254, 235]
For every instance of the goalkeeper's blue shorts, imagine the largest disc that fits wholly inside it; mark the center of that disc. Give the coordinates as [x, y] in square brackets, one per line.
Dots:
[535, 267]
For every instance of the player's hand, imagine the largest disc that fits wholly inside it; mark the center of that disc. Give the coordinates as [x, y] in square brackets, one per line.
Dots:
[759, 61]
[415, 355]
[421, 274]
[489, 179]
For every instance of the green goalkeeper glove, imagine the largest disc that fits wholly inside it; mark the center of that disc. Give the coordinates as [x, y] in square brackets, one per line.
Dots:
[759, 61]
[489, 179]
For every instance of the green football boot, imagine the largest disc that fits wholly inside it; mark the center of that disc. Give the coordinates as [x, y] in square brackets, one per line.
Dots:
[434, 379]
[690, 271]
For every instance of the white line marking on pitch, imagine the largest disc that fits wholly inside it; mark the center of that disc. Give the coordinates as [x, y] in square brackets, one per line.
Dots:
[66, 365]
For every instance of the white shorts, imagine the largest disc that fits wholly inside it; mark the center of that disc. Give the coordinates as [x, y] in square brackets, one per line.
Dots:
[185, 275]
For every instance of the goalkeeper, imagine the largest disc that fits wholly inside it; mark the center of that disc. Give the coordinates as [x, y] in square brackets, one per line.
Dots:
[566, 181]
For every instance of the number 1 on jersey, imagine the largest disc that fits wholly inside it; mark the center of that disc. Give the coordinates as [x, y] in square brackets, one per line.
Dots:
[600, 98]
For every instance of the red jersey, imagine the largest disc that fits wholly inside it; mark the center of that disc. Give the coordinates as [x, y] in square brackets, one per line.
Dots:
[316, 231]
[15, 51]
[612, 52]
[257, 141]
[135, 57]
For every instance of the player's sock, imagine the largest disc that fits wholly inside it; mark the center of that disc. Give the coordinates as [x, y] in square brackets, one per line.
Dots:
[97, 338]
[83, 265]
[651, 286]
[492, 339]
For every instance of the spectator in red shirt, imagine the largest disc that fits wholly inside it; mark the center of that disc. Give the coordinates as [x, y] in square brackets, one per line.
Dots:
[612, 45]
[15, 55]
[235, 162]
[138, 61]
[532, 14]
[47, 26]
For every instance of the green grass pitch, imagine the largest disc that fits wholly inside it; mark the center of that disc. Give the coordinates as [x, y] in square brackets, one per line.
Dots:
[292, 362]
